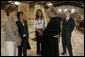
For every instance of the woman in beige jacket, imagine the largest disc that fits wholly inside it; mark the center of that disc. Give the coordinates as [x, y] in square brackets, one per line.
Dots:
[12, 37]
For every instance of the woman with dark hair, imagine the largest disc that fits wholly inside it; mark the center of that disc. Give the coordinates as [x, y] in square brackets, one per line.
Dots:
[39, 28]
[24, 34]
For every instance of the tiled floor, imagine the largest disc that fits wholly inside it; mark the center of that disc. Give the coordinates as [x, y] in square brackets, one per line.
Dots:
[77, 44]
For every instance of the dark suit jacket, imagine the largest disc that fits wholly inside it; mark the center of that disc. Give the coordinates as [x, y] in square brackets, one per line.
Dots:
[53, 27]
[68, 27]
[23, 30]
[49, 43]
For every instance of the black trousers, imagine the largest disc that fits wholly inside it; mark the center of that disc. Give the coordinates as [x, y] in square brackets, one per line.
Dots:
[22, 49]
[38, 43]
[50, 47]
[66, 43]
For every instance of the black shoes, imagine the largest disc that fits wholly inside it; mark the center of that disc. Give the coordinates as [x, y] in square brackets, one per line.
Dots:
[63, 53]
[39, 53]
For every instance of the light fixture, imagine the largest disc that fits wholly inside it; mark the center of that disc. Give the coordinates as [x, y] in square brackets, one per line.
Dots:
[49, 3]
[9, 1]
[12, 3]
[83, 5]
[59, 10]
[17, 3]
[65, 10]
[72, 10]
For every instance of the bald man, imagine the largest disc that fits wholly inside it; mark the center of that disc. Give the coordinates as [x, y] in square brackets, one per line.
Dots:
[50, 35]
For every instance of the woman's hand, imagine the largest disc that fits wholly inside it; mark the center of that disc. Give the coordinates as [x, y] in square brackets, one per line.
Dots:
[40, 33]
[18, 40]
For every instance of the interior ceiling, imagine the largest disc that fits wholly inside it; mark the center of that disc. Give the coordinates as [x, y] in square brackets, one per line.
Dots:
[55, 3]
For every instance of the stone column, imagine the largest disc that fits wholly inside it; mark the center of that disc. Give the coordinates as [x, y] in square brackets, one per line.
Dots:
[36, 8]
[25, 9]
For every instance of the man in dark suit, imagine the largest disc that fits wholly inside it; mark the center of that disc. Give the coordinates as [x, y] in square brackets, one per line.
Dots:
[23, 32]
[50, 35]
[67, 28]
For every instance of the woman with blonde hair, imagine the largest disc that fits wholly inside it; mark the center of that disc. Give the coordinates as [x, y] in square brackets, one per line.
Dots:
[12, 36]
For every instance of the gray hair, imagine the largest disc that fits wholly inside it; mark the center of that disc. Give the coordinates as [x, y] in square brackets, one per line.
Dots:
[53, 11]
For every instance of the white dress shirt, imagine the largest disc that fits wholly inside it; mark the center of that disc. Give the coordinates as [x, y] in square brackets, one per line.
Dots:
[40, 24]
[22, 22]
[24, 35]
[67, 18]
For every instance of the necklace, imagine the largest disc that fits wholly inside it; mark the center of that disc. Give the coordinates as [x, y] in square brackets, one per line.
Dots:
[39, 21]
